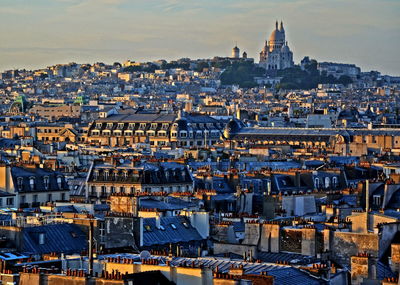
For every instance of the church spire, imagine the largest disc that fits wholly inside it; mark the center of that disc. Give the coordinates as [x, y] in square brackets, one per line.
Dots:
[281, 27]
[276, 24]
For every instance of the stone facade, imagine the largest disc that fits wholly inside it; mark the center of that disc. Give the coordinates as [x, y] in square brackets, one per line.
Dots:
[276, 53]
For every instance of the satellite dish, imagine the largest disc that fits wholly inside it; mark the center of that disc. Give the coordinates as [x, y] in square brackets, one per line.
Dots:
[144, 254]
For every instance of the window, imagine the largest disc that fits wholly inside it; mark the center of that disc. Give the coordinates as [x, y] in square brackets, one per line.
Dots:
[20, 182]
[34, 199]
[334, 181]
[59, 182]
[122, 189]
[148, 228]
[10, 201]
[62, 196]
[316, 182]
[186, 225]
[49, 197]
[22, 199]
[46, 182]
[41, 238]
[1, 202]
[162, 228]
[32, 183]
[173, 226]
[377, 200]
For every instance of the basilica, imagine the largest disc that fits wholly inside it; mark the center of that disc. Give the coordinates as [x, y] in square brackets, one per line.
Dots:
[276, 53]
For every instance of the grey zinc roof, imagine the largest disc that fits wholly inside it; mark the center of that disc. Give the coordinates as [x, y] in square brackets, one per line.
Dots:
[60, 238]
[167, 118]
[173, 231]
[292, 258]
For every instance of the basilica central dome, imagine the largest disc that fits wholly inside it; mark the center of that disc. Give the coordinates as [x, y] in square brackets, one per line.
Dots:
[276, 36]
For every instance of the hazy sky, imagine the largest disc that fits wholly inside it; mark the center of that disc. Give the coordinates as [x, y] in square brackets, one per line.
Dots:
[38, 33]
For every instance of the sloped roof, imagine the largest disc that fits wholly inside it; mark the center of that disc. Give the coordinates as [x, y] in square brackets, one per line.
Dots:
[60, 238]
[173, 231]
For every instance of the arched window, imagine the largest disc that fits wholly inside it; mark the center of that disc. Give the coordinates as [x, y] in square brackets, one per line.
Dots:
[20, 181]
[32, 182]
[334, 182]
[59, 182]
[46, 180]
[327, 182]
[316, 182]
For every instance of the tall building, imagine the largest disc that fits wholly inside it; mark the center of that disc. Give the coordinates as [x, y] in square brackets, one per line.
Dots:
[276, 53]
[235, 52]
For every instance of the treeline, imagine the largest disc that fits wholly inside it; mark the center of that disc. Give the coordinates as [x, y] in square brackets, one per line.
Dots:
[242, 74]
[296, 78]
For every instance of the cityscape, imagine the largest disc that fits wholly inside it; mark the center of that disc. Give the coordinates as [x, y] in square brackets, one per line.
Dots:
[243, 168]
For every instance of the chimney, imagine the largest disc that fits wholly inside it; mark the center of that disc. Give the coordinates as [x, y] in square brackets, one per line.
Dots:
[363, 266]
[367, 195]
[91, 248]
[297, 179]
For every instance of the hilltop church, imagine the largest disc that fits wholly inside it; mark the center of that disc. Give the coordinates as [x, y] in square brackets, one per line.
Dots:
[276, 53]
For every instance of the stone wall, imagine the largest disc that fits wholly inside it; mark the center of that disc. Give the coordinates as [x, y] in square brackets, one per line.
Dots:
[347, 244]
[270, 237]
[239, 249]
[251, 233]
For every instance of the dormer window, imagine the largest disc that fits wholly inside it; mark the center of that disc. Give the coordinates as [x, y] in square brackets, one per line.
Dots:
[98, 126]
[316, 182]
[165, 126]
[20, 181]
[59, 182]
[32, 182]
[95, 174]
[334, 182]
[41, 238]
[106, 173]
[46, 182]
[154, 126]
[109, 125]
[120, 125]
[142, 126]
[377, 200]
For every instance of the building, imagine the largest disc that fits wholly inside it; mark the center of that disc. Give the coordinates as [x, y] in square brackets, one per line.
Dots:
[276, 53]
[235, 52]
[54, 112]
[130, 177]
[31, 185]
[339, 69]
[159, 130]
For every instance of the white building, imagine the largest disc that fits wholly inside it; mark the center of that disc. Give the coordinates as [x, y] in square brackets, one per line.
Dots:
[276, 53]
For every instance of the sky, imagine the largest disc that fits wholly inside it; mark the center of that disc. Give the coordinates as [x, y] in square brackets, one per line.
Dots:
[39, 33]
